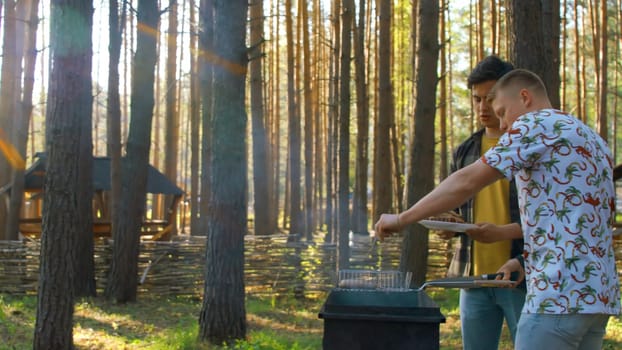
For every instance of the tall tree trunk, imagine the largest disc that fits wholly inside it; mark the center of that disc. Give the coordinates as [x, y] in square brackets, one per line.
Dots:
[527, 42]
[195, 123]
[223, 315]
[296, 222]
[122, 283]
[481, 37]
[420, 177]
[594, 26]
[533, 40]
[128, 46]
[1, 6]
[343, 253]
[396, 154]
[602, 120]
[10, 88]
[359, 205]
[551, 32]
[84, 263]
[276, 125]
[22, 121]
[113, 117]
[616, 98]
[383, 183]
[494, 25]
[443, 105]
[70, 102]
[333, 113]
[564, 59]
[577, 57]
[318, 132]
[171, 145]
[260, 138]
[158, 157]
[308, 127]
[206, 47]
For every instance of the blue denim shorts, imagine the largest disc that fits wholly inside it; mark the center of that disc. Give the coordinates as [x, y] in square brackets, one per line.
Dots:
[561, 332]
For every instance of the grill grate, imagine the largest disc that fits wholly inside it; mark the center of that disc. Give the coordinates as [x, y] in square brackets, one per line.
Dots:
[358, 280]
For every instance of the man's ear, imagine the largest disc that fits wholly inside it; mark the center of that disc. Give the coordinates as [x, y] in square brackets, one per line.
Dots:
[526, 98]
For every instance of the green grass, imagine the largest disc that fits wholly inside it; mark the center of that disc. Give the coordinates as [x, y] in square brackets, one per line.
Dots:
[171, 323]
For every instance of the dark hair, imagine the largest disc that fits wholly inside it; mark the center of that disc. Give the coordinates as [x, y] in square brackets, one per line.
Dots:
[490, 68]
[520, 79]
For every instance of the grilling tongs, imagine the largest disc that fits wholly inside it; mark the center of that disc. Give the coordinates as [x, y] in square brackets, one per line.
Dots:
[485, 280]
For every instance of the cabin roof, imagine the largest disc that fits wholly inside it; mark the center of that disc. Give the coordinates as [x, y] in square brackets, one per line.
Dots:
[157, 183]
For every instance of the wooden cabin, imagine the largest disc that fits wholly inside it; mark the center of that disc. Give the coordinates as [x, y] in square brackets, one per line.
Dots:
[156, 226]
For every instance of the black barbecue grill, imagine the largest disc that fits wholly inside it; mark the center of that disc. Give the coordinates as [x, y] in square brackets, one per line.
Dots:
[377, 310]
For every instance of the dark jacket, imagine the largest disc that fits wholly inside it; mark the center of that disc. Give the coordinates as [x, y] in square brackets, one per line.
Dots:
[462, 262]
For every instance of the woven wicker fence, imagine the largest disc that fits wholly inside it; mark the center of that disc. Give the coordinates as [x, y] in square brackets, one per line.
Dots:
[272, 265]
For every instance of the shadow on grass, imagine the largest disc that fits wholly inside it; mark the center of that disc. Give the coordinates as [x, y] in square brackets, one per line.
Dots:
[172, 323]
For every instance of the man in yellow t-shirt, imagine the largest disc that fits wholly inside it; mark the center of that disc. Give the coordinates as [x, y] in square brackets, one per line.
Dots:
[482, 310]
[491, 205]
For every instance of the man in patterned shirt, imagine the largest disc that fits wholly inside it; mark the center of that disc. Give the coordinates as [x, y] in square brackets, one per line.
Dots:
[563, 171]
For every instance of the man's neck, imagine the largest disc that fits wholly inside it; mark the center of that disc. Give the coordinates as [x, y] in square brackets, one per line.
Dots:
[493, 132]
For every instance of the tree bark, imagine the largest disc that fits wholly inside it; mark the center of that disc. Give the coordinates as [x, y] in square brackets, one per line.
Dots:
[10, 89]
[195, 123]
[113, 117]
[223, 314]
[602, 120]
[535, 41]
[318, 115]
[296, 222]
[551, 32]
[383, 183]
[577, 56]
[260, 137]
[84, 263]
[275, 125]
[444, 102]
[20, 132]
[564, 58]
[122, 283]
[481, 35]
[206, 46]
[420, 177]
[308, 126]
[69, 103]
[171, 144]
[343, 253]
[359, 205]
[333, 113]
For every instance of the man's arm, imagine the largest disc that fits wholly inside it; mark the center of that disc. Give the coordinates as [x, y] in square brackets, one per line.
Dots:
[449, 194]
[490, 233]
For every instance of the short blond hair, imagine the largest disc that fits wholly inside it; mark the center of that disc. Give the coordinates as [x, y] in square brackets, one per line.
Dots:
[519, 79]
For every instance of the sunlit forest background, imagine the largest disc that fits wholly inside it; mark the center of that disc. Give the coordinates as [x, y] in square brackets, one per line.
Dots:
[469, 31]
[219, 121]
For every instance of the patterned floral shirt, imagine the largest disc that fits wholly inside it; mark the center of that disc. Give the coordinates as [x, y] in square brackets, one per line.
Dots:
[563, 172]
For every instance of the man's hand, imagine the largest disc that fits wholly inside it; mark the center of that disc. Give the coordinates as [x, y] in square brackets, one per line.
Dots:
[485, 233]
[512, 265]
[387, 225]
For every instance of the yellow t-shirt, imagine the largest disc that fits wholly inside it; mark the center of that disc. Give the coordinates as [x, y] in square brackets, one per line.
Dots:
[491, 205]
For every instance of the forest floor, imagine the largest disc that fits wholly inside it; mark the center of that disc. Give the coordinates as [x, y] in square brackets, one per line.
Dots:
[172, 323]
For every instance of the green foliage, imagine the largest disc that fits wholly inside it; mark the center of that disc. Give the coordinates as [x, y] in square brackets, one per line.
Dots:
[268, 340]
[171, 323]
